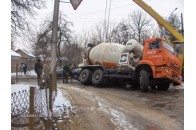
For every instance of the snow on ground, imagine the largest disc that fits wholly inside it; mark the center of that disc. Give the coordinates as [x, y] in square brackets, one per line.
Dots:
[32, 73]
[61, 104]
[20, 87]
[118, 118]
[181, 86]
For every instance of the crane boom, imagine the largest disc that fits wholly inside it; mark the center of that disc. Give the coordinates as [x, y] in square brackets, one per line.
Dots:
[160, 20]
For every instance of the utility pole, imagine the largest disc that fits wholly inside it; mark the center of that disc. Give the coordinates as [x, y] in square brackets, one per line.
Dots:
[53, 83]
[182, 24]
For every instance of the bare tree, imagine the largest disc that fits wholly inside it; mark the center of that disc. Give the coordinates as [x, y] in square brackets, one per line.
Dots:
[20, 10]
[72, 52]
[139, 24]
[97, 34]
[12, 41]
[85, 38]
[173, 20]
[63, 34]
[121, 33]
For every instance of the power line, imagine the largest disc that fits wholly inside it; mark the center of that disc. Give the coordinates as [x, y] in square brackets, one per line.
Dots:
[98, 11]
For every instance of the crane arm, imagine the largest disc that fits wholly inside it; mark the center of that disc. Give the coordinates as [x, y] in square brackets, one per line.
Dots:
[160, 20]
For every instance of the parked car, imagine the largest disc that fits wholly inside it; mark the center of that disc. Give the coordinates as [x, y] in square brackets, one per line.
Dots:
[59, 72]
[75, 72]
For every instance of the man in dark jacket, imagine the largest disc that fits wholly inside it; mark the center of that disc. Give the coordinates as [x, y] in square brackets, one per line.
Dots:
[38, 70]
[66, 71]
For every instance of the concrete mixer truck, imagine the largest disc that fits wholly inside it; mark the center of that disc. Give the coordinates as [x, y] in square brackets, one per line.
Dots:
[153, 64]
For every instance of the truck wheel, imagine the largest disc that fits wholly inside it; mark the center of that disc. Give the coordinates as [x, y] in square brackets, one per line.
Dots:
[98, 78]
[163, 86]
[144, 81]
[85, 76]
[153, 87]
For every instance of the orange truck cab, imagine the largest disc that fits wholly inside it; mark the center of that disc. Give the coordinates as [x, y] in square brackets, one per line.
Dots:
[162, 65]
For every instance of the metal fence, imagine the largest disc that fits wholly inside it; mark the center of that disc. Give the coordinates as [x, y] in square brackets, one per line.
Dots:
[22, 104]
[19, 103]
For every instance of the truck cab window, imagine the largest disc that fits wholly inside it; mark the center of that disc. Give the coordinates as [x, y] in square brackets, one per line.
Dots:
[154, 45]
[169, 47]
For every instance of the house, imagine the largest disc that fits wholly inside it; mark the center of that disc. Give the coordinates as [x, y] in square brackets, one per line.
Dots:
[27, 57]
[15, 60]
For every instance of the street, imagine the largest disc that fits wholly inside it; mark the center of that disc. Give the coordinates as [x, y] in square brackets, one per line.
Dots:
[122, 108]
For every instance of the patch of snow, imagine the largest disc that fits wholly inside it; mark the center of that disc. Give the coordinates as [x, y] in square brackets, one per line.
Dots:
[13, 53]
[118, 118]
[60, 104]
[28, 53]
[31, 71]
[20, 87]
[181, 86]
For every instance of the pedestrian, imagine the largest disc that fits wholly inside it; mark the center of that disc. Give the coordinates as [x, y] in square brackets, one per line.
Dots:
[38, 71]
[66, 72]
[24, 67]
[45, 75]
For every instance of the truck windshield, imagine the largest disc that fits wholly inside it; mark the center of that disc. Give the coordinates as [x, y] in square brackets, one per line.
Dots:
[168, 47]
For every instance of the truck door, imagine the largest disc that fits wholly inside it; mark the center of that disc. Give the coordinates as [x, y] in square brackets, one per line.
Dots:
[155, 52]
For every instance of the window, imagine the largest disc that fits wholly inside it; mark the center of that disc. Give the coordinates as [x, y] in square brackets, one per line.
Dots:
[154, 45]
[168, 47]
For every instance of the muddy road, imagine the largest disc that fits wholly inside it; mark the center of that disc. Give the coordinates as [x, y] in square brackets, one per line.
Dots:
[121, 108]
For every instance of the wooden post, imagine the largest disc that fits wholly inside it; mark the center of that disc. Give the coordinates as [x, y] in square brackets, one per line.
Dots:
[16, 73]
[50, 93]
[31, 108]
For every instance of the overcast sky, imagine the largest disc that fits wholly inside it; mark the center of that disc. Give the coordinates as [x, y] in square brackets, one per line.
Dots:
[90, 12]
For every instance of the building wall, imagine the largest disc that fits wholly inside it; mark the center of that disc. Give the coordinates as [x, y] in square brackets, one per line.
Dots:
[14, 62]
[30, 61]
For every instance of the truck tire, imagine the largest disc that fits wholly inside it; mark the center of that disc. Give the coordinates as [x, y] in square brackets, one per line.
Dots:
[98, 78]
[153, 87]
[163, 86]
[144, 80]
[85, 76]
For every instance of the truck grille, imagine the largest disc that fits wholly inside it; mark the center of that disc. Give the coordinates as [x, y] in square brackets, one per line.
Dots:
[174, 75]
[174, 67]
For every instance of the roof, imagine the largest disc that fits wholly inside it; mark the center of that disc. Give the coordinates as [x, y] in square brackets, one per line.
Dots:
[28, 53]
[13, 53]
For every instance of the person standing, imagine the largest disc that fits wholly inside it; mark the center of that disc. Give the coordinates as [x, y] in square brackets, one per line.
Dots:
[24, 67]
[66, 69]
[38, 71]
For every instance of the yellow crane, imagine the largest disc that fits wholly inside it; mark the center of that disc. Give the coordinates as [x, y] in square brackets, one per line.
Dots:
[166, 25]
